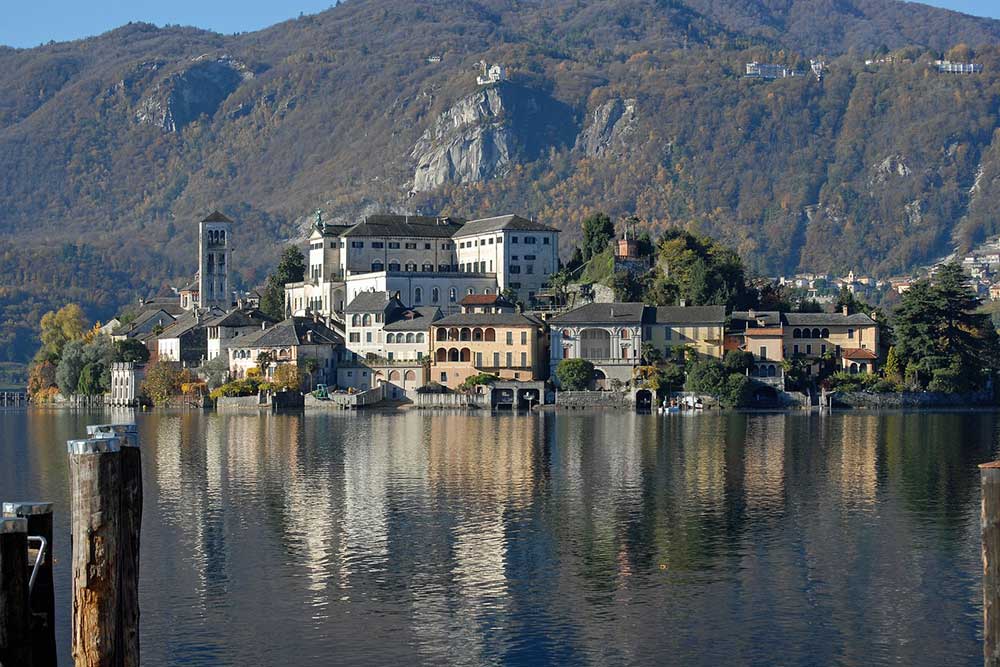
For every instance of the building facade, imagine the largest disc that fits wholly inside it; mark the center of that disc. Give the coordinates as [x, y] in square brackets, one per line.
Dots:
[215, 239]
[508, 345]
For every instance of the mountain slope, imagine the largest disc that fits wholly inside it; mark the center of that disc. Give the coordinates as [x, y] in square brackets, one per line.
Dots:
[111, 147]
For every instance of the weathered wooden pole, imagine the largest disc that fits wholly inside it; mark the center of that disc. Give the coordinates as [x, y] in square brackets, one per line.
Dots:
[131, 527]
[95, 497]
[990, 523]
[15, 615]
[41, 594]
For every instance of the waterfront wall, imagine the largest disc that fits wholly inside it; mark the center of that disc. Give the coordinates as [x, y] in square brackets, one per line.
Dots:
[594, 399]
[897, 400]
[423, 401]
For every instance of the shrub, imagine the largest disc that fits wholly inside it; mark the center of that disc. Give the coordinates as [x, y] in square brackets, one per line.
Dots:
[163, 380]
[287, 377]
[706, 377]
[476, 380]
[574, 374]
[247, 386]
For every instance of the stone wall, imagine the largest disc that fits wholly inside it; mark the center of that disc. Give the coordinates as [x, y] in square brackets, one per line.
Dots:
[899, 400]
[464, 401]
[594, 399]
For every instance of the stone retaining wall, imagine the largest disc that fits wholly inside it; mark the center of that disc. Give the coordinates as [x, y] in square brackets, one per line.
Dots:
[926, 399]
[594, 399]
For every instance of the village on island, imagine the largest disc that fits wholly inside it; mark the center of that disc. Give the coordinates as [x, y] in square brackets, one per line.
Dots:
[441, 312]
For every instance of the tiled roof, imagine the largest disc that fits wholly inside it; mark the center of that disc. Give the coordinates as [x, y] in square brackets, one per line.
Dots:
[188, 321]
[414, 319]
[290, 332]
[488, 319]
[600, 313]
[826, 319]
[690, 314]
[240, 318]
[215, 216]
[744, 318]
[480, 299]
[405, 226]
[858, 353]
[370, 302]
[499, 223]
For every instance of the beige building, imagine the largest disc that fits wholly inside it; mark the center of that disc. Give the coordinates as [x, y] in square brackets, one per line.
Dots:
[852, 338]
[291, 341]
[698, 328]
[509, 345]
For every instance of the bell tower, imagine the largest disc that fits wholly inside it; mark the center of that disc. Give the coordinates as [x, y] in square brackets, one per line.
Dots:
[215, 244]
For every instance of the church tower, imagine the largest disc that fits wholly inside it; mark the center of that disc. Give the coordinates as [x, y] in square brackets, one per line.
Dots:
[215, 246]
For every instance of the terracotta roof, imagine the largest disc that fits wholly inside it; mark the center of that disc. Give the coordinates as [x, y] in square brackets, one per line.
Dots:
[766, 331]
[858, 353]
[480, 299]
[488, 319]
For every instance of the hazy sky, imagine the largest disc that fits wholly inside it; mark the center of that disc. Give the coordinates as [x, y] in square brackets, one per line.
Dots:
[33, 22]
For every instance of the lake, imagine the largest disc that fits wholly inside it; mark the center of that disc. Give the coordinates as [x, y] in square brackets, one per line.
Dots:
[425, 538]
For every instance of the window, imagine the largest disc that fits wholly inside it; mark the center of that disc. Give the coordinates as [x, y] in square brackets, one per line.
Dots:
[427, 268]
[530, 240]
[444, 377]
[479, 359]
[357, 244]
[411, 246]
[355, 337]
[393, 245]
[524, 359]
[809, 349]
[545, 240]
[850, 333]
[795, 349]
[491, 241]
[510, 359]
[529, 257]
[668, 333]
[427, 246]
[378, 244]
[470, 291]
[499, 239]
[435, 295]
[411, 266]
[368, 337]
[529, 269]
[524, 338]
[822, 349]
[394, 266]
[418, 295]
[514, 258]
[355, 320]
[452, 295]
[514, 268]
[420, 338]
[366, 320]
[763, 352]
[510, 337]
[443, 267]
[378, 266]
[513, 239]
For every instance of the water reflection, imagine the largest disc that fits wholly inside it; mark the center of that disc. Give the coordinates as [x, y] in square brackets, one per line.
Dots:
[587, 538]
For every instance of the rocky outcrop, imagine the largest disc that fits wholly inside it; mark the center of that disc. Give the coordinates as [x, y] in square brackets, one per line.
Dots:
[484, 134]
[196, 90]
[611, 125]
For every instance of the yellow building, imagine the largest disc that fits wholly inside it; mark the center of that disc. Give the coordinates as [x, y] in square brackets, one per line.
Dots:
[852, 338]
[699, 328]
[509, 345]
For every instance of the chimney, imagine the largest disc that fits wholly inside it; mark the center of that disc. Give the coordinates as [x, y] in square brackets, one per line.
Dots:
[315, 317]
[309, 336]
[263, 325]
[845, 310]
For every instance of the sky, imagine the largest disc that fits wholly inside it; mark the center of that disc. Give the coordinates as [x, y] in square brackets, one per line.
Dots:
[28, 23]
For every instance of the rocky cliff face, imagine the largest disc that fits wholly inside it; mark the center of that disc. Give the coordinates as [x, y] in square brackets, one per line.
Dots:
[183, 96]
[610, 127]
[482, 135]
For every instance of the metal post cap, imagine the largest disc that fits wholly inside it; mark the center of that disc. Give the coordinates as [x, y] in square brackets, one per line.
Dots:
[94, 445]
[13, 525]
[26, 508]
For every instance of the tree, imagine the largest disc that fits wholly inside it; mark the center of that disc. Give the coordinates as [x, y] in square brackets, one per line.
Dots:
[737, 361]
[706, 377]
[626, 287]
[291, 269]
[287, 377]
[574, 374]
[57, 328]
[598, 231]
[309, 366]
[41, 379]
[89, 383]
[163, 380]
[71, 363]
[892, 369]
[131, 350]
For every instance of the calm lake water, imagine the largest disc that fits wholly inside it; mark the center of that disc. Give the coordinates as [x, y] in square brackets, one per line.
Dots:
[594, 539]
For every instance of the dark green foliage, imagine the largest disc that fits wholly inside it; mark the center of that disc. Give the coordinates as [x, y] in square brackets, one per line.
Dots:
[698, 270]
[734, 390]
[131, 350]
[574, 374]
[598, 232]
[945, 342]
[477, 380]
[89, 383]
[737, 361]
[291, 269]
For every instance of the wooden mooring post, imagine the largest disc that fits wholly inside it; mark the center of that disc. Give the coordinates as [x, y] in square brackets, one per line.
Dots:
[41, 592]
[15, 615]
[131, 529]
[990, 524]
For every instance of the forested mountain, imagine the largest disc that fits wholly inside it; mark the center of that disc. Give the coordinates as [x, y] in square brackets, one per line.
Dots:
[111, 148]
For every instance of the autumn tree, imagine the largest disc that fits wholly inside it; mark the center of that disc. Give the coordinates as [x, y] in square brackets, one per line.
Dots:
[57, 328]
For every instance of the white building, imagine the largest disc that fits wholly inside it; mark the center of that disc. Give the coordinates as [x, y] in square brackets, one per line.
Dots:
[364, 319]
[297, 341]
[521, 252]
[126, 383]
[444, 290]
[225, 329]
[407, 335]
[215, 236]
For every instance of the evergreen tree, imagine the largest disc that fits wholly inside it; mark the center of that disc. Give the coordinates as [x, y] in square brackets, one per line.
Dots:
[598, 231]
[291, 269]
